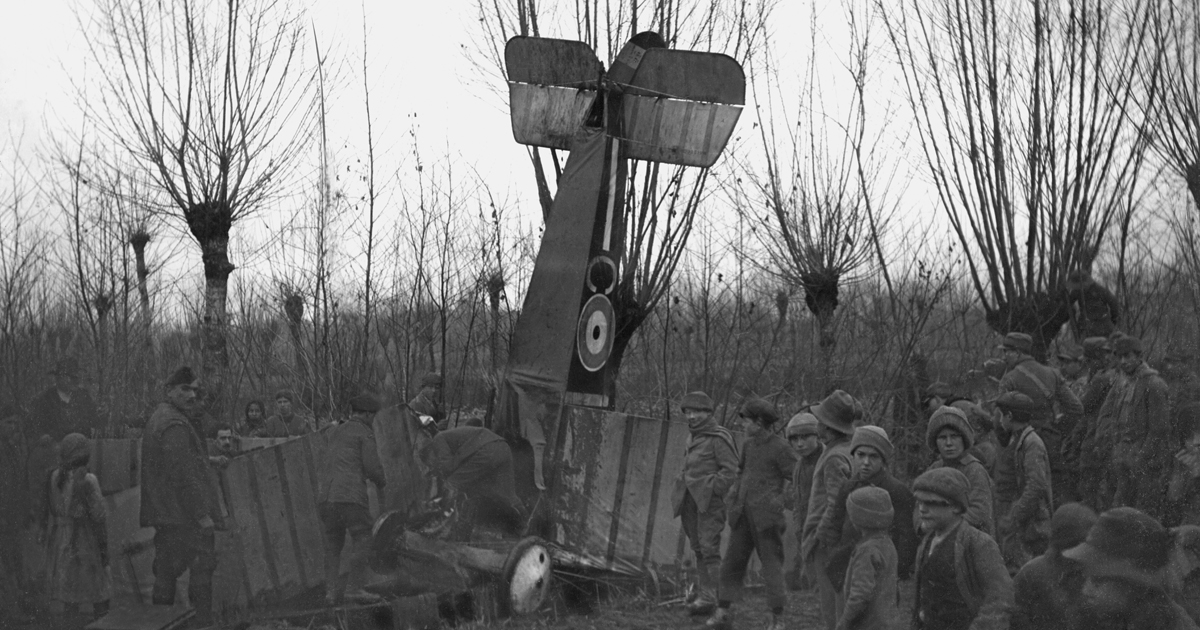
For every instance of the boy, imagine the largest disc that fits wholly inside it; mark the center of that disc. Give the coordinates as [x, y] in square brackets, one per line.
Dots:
[1024, 526]
[950, 436]
[961, 581]
[870, 584]
[756, 514]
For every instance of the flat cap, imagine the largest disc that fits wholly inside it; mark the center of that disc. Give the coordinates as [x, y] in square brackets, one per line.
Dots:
[181, 376]
[1015, 401]
[1018, 341]
[696, 400]
[365, 402]
[1127, 345]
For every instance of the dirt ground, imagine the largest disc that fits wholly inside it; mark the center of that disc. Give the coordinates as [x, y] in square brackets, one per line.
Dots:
[639, 612]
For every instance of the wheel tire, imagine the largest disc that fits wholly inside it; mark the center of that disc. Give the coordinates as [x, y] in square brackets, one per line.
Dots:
[527, 577]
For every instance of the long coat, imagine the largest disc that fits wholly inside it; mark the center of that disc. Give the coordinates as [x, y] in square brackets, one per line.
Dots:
[766, 466]
[709, 469]
[76, 541]
[870, 586]
[175, 484]
[833, 470]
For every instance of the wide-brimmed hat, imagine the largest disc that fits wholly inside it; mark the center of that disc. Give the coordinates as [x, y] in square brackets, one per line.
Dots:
[1070, 525]
[874, 437]
[698, 401]
[803, 423]
[1128, 544]
[953, 418]
[1019, 341]
[837, 412]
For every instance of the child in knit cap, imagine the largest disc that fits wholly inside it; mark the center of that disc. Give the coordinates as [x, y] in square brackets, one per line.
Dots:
[870, 585]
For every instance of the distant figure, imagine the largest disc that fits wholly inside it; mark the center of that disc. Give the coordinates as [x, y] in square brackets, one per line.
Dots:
[286, 422]
[1183, 491]
[351, 460]
[15, 516]
[430, 399]
[254, 421]
[1141, 457]
[710, 467]
[1092, 461]
[178, 500]
[1183, 388]
[1048, 589]
[64, 407]
[1095, 311]
[77, 560]
[477, 463]
[224, 445]
[1125, 559]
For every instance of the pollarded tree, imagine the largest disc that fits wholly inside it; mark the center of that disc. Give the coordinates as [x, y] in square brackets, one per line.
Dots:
[1022, 111]
[212, 98]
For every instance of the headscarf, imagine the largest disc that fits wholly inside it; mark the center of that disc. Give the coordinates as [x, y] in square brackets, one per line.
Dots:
[74, 451]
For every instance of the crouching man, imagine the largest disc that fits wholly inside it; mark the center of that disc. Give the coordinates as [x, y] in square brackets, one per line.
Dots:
[479, 464]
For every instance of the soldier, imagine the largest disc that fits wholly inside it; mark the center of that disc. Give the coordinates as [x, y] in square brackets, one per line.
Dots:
[1024, 513]
[709, 469]
[477, 463]
[177, 498]
[1097, 359]
[802, 434]
[1183, 388]
[1044, 387]
[1141, 457]
[286, 422]
[64, 407]
[351, 460]
[756, 515]
[836, 415]
[430, 398]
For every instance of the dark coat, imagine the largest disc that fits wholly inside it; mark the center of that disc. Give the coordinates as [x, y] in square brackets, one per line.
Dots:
[175, 485]
[351, 458]
[51, 416]
[902, 532]
[765, 467]
[710, 466]
[1047, 593]
[983, 581]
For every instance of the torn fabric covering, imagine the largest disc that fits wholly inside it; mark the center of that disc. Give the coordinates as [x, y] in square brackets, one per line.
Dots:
[544, 338]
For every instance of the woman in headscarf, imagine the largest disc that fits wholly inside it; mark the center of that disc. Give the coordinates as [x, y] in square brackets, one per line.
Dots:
[77, 565]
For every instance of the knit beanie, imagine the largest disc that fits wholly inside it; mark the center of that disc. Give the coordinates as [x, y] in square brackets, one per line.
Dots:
[1070, 525]
[75, 449]
[874, 437]
[803, 423]
[945, 482]
[953, 418]
[870, 507]
[696, 400]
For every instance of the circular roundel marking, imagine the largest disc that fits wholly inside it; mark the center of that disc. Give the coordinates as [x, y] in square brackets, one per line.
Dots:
[601, 275]
[594, 333]
[528, 573]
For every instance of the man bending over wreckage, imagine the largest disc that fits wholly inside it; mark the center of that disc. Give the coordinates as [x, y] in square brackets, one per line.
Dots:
[479, 464]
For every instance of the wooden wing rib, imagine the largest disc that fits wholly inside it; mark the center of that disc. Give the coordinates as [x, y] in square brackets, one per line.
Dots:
[552, 85]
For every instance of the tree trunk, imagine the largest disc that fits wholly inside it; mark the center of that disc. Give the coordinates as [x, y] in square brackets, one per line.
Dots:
[210, 224]
[1193, 182]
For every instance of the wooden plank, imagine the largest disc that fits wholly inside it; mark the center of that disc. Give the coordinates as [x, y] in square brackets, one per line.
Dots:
[301, 496]
[267, 484]
[142, 617]
[667, 530]
[618, 434]
[247, 523]
[230, 584]
[640, 464]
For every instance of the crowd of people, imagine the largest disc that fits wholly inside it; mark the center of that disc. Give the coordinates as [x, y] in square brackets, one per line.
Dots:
[182, 451]
[1069, 497]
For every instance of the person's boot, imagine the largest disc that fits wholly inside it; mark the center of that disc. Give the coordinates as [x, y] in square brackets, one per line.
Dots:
[706, 599]
[776, 622]
[721, 619]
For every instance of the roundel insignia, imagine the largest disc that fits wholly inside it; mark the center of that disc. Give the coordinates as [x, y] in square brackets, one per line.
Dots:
[601, 275]
[594, 334]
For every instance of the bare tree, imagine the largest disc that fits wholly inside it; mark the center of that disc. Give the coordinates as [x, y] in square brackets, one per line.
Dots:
[211, 97]
[813, 204]
[1022, 114]
[1170, 95]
